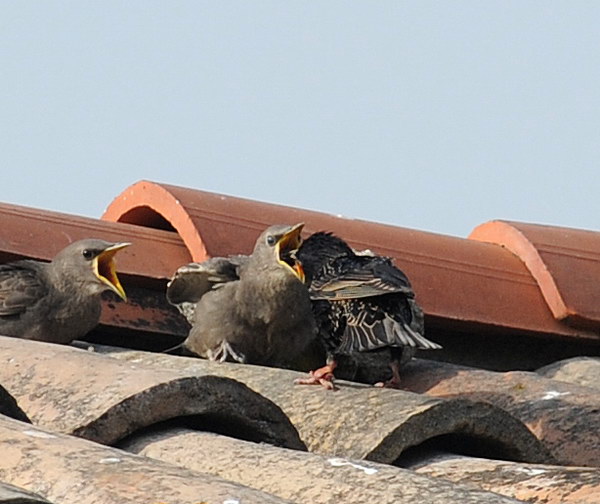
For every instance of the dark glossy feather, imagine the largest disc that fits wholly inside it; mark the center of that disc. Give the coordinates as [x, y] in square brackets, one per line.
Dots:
[360, 302]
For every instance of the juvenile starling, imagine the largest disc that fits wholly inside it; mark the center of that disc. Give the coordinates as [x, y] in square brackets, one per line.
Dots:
[58, 301]
[255, 310]
[191, 281]
[360, 303]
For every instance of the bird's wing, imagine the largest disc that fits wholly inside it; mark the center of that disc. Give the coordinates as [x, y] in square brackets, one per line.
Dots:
[371, 324]
[191, 281]
[360, 278]
[20, 286]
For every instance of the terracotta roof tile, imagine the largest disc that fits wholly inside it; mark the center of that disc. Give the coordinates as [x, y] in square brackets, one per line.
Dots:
[40, 234]
[361, 421]
[104, 400]
[579, 370]
[70, 470]
[564, 416]
[565, 263]
[532, 483]
[144, 267]
[333, 480]
[457, 280]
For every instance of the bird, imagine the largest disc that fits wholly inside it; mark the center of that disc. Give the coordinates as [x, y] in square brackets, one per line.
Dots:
[58, 301]
[191, 281]
[361, 303]
[248, 309]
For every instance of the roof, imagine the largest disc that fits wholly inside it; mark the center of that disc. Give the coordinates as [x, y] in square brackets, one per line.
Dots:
[511, 297]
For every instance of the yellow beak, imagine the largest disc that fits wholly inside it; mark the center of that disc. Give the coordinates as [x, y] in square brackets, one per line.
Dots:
[105, 268]
[290, 241]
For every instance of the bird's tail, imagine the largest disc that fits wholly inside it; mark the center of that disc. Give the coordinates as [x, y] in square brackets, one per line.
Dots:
[415, 339]
[384, 333]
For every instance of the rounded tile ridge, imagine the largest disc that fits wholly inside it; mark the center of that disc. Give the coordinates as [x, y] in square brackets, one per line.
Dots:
[505, 234]
[156, 197]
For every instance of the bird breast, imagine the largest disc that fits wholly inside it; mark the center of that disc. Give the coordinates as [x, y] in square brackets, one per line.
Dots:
[277, 297]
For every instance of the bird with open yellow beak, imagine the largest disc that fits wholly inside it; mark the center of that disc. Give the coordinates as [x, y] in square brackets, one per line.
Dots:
[58, 301]
[260, 314]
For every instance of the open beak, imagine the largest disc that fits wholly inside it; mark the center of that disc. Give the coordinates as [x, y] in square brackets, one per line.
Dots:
[105, 268]
[285, 248]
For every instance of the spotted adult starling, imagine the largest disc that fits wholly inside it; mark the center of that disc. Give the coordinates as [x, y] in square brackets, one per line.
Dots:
[58, 301]
[253, 309]
[360, 303]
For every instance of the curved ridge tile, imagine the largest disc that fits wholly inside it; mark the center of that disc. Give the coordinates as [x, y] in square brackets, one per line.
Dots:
[155, 205]
[565, 263]
[564, 416]
[360, 421]
[309, 477]
[105, 400]
[455, 279]
[533, 483]
[70, 470]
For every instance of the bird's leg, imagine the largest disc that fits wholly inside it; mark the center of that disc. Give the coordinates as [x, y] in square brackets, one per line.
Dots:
[394, 381]
[223, 351]
[322, 376]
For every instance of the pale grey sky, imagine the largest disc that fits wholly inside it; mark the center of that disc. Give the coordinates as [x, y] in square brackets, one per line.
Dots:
[431, 115]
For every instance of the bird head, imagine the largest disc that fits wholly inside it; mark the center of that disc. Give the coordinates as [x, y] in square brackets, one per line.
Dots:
[319, 251]
[92, 261]
[281, 241]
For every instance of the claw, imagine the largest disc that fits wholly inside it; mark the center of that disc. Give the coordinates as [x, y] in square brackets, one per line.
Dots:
[391, 383]
[225, 351]
[394, 381]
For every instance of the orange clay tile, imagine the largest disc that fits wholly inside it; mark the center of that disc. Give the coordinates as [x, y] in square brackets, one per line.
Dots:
[456, 280]
[565, 263]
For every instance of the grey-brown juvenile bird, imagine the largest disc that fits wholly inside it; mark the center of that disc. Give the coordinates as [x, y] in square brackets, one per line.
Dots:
[191, 281]
[58, 301]
[256, 310]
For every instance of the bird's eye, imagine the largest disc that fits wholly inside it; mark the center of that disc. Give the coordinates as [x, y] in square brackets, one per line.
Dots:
[271, 240]
[88, 254]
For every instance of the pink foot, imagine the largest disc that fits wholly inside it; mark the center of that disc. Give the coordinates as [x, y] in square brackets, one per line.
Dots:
[322, 376]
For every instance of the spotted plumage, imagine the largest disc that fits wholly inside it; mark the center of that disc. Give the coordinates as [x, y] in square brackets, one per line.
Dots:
[361, 302]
